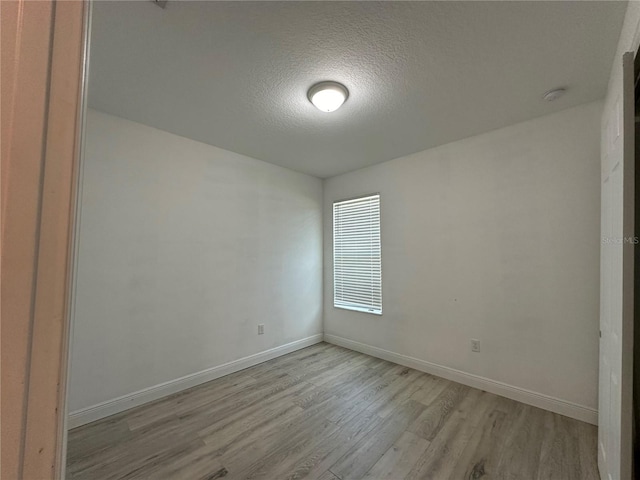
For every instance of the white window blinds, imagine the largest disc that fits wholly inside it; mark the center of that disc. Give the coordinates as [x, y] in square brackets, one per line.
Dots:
[357, 268]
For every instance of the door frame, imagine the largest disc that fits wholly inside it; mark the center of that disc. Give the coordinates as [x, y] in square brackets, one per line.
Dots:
[628, 267]
[636, 320]
[615, 428]
[44, 60]
[74, 241]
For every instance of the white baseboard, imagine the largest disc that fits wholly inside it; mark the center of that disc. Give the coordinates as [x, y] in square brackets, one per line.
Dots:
[546, 402]
[125, 402]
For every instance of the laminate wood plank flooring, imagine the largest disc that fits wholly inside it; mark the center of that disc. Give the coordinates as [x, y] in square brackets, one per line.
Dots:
[328, 413]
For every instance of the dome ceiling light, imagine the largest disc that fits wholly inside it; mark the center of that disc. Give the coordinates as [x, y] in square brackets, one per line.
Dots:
[328, 96]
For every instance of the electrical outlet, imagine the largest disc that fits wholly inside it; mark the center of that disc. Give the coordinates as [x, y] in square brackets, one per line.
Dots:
[475, 345]
[261, 329]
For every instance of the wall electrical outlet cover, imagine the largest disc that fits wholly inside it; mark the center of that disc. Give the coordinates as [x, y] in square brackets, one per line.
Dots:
[475, 345]
[261, 329]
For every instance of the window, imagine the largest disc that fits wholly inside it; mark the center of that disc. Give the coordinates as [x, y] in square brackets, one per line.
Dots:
[357, 268]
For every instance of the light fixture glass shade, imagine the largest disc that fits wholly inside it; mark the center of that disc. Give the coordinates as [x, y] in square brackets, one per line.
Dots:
[328, 96]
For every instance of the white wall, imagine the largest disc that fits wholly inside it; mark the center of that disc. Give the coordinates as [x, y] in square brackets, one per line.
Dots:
[495, 237]
[184, 249]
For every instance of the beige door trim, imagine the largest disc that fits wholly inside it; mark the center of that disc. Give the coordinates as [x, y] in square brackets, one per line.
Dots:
[43, 49]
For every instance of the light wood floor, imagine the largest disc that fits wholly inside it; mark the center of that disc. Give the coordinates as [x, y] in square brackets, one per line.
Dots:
[329, 413]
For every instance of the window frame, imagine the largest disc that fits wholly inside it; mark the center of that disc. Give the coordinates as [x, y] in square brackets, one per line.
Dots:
[369, 310]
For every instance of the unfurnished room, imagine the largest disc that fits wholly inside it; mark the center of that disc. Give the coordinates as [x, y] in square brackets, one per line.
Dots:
[320, 240]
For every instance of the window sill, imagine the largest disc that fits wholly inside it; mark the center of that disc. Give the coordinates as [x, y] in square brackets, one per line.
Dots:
[358, 309]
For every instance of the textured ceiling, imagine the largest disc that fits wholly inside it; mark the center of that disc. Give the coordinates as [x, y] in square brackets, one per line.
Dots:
[420, 74]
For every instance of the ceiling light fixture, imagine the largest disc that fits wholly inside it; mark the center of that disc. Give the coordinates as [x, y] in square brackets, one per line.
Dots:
[328, 96]
[554, 94]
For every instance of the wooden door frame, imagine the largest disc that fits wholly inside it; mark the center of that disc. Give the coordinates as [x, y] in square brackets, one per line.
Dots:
[44, 57]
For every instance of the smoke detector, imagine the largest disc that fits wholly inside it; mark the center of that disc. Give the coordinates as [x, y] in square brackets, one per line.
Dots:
[554, 94]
